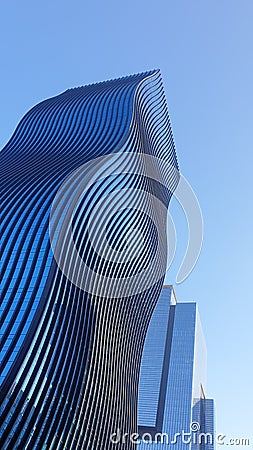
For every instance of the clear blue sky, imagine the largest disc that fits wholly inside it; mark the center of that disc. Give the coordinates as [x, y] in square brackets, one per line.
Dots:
[204, 49]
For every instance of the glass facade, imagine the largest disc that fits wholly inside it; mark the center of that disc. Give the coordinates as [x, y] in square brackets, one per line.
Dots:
[173, 378]
[70, 358]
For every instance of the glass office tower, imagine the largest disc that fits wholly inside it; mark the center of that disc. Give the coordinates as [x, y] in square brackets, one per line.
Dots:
[172, 399]
[73, 329]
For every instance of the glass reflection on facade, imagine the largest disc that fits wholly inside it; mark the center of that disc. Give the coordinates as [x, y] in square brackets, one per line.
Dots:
[173, 379]
[70, 358]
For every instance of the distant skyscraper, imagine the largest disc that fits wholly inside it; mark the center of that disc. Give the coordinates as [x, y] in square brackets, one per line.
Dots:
[73, 329]
[173, 378]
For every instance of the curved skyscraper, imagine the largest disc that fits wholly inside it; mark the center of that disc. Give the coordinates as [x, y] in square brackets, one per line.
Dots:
[86, 179]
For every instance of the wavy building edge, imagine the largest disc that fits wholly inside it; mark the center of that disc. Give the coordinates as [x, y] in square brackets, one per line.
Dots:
[70, 370]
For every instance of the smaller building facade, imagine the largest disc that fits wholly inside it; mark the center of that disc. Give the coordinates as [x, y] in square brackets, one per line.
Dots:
[173, 411]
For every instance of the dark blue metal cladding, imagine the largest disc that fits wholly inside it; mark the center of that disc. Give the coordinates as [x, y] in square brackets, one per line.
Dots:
[50, 127]
[69, 375]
